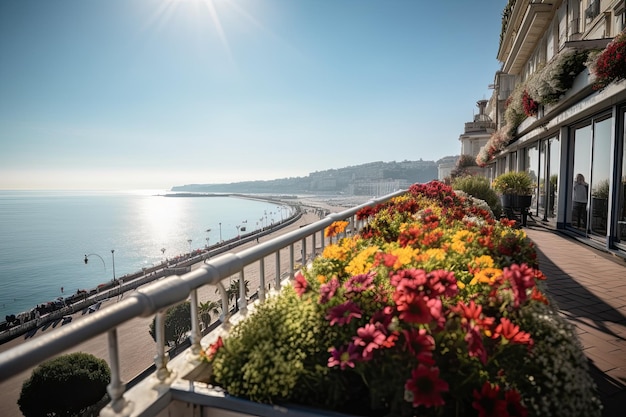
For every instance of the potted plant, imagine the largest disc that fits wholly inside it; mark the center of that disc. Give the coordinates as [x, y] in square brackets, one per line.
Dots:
[515, 189]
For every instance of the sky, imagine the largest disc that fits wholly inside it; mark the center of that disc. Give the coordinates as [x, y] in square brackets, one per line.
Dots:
[150, 94]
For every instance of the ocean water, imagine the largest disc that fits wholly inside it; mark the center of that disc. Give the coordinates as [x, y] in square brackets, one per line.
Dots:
[45, 235]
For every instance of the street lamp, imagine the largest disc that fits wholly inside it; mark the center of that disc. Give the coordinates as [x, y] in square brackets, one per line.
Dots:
[238, 226]
[189, 241]
[113, 257]
[163, 251]
[220, 232]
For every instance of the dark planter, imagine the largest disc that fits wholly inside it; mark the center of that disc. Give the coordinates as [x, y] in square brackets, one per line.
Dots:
[515, 201]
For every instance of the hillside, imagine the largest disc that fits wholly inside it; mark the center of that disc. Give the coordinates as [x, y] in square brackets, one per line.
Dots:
[375, 178]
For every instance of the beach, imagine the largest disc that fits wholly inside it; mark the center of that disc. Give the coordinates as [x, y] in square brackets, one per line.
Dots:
[137, 349]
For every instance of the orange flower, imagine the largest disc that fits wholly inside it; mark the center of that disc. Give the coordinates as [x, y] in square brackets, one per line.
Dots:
[335, 228]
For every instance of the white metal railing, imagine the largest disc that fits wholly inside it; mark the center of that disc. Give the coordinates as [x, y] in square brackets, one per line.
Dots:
[156, 297]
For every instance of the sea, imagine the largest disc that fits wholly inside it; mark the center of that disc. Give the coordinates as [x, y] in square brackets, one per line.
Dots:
[45, 236]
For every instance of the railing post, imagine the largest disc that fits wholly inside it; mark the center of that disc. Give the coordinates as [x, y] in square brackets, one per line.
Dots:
[225, 316]
[303, 250]
[262, 280]
[118, 406]
[277, 278]
[323, 240]
[292, 261]
[314, 244]
[243, 301]
[195, 325]
[161, 358]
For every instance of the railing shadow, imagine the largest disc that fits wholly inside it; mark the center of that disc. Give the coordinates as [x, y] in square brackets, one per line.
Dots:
[583, 308]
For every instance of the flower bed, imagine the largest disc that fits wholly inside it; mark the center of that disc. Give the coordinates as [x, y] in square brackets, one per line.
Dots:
[434, 309]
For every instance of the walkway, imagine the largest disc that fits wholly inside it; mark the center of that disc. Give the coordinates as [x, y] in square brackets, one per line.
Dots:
[589, 288]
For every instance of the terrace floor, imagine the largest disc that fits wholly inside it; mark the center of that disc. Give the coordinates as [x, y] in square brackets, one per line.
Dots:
[589, 288]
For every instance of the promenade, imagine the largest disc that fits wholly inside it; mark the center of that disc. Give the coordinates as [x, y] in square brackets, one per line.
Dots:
[589, 289]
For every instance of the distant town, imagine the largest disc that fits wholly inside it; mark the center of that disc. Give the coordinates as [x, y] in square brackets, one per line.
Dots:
[374, 178]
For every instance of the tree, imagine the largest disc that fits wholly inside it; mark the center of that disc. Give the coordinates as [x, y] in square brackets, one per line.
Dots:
[233, 291]
[177, 323]
[64, 386]
[205, 310]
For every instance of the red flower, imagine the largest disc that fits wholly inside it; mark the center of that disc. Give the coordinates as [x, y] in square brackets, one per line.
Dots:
[512, 332]
[213, 348]
[425, 387]
[300, 285]
[514, 405]
[359, 283]
[530, 105]
[488, 403]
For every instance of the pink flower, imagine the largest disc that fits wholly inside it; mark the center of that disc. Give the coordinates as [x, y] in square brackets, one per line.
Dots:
[369, 337]
[359, 283]
[343, 313]
[328, 290]
[344, 356]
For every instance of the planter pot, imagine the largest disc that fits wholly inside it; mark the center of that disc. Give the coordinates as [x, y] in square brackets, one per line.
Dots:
[515, 201]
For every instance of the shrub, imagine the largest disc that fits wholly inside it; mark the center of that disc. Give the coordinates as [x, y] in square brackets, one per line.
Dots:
[480, 188]
[177, 323]
[64, 386]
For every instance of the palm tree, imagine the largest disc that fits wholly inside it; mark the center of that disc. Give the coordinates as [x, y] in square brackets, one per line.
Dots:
[233, 292]
[205, 310]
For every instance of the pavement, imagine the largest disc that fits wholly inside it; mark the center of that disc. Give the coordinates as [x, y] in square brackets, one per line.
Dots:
[589, 289]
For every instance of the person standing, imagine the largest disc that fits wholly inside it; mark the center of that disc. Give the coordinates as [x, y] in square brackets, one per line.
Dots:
[581, 191]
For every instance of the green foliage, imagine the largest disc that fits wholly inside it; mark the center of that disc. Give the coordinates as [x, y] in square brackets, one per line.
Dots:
[177, 323]
[514, 182]
[206, 310]
[480, 188]
[276, 354]
[64, 386]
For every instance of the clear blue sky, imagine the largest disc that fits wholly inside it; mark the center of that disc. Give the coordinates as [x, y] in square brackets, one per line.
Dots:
[125, 94]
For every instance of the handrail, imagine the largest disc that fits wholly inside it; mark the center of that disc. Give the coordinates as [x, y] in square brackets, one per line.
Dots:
[156, 297]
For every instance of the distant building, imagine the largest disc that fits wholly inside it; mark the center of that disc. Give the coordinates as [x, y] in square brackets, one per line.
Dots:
[445, 166]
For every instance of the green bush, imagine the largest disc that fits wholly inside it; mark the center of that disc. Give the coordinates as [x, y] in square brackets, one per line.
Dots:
[64, 386]
[177, 324]
[480, 188]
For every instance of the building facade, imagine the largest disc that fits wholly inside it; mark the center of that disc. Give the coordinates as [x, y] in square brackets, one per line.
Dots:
[560, 117]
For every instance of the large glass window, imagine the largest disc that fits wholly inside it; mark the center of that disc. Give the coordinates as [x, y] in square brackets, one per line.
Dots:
[601, 149]
[621, 190]
[543, 151]
[581, 145]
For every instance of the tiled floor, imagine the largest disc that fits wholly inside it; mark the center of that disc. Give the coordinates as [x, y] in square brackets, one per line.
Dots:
[589, 287]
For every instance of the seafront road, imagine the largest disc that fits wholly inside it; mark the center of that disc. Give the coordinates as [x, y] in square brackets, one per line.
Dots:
[137, 349]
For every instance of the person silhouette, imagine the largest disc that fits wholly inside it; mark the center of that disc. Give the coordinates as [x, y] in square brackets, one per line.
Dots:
[581, 191]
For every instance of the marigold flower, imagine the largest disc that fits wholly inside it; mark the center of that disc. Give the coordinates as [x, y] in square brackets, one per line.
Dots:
[335, 228]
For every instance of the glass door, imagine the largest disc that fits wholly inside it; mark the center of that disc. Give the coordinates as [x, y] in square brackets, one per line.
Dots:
[579, 193]
[600, 171]
[620, 232]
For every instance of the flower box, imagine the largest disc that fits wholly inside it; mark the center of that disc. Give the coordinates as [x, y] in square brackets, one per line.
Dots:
[433, 309]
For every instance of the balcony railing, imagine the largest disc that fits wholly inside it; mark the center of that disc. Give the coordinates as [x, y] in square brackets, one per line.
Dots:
[155, 298]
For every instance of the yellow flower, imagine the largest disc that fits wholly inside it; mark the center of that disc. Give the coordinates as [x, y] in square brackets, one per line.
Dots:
[436, 254]
[486, 276]
[335, 252]
[321, 279]
[484, 261]
[361, 263]
[404, 256]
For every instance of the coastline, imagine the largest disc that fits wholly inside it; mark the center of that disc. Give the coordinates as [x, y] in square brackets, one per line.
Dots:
[137, 347]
